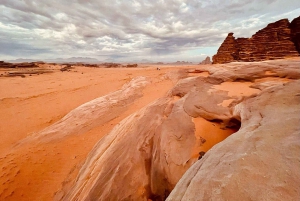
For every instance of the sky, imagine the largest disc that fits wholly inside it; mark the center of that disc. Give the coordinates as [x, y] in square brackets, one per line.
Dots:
[131, 30]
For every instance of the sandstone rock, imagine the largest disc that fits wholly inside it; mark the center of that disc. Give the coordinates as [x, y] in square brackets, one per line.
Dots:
[206, 61]
[146, 155]
[92, 113]
[260, 161]
[295, 32]
[6, 65]
[276, 41]
[131, 65]
[18, 65]
[228, 50]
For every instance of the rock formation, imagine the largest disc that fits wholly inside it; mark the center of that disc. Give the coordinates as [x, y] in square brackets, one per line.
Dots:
[18, 65]
[253, 164]
[222, 132]
[276, 41]
[295, 32]
[206, 61]
[146, 155]
[131, 65]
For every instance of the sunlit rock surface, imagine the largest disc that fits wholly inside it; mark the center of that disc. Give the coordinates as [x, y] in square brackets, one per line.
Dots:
[149, 152]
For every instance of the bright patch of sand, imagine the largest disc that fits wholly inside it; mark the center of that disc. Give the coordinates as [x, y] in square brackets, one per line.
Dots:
[237, 88]
[208, 134]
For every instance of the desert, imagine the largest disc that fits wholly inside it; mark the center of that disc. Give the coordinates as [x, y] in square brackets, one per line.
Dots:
[61, 131]
[113, 101]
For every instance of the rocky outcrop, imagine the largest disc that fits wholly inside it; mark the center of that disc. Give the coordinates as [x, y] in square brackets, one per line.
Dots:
[295, 32]
[276, 41]
[228, 50]
[260, 161]
[18, 65]
[206, 61]
[92, 113]
[6, 65]
[131, 65]
[146, 154]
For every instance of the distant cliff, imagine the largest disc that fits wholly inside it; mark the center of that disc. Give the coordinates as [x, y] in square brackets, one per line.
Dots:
[278, 40]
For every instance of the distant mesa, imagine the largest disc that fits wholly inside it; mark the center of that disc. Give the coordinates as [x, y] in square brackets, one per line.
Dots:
[278, 40]
[206, 61]
[4, 64]
[181, 63]
[131, 65]
[86, 60]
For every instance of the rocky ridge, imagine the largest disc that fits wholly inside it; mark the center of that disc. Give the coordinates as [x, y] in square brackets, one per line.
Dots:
[276, 41]
[151, 150]
[206, 61]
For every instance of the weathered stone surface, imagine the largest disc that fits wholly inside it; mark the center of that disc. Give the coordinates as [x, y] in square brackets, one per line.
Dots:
[228, 50]
[18, 65]
[147, 153]
[276, 41]
[260, 161]
[92, 113]
[295, 32]
[206, 61]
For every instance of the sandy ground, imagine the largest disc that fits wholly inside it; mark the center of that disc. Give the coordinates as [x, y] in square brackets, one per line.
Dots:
[27, 105]
[36, 171]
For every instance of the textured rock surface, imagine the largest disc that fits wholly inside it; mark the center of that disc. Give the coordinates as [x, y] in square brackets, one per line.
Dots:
[186, 136]
[93, 113]
[260, 161]
[206, 61]
[18, 65]
[295, 32]
[147, 153]
[228, 51]
[276, 41]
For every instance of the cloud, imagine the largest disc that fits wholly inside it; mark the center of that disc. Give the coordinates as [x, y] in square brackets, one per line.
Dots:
[126, 30]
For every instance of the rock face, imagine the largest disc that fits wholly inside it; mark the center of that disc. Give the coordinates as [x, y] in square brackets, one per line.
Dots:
[276, 41]
[295, 32]
[146, 154]
[206, 61]
[257, 168]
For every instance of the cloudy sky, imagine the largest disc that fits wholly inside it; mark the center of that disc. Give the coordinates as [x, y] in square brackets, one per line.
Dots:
[131, 30]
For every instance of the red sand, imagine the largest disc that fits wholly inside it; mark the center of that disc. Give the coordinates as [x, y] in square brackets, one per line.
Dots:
[36, 171]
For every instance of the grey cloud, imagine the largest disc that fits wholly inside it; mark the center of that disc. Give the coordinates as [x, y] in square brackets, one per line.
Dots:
[21, 50]
[116, 27]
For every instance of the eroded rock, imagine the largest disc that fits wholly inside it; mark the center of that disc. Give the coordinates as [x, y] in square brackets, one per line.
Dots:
[276, 41]
[260, 161]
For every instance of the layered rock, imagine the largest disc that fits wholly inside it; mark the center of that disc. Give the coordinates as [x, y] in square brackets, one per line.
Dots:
[295, 32]
[206, 61]
[260, 161]
[169, 142]
[276, 41]
[147, 153]
[228, 50]
[18, 65]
